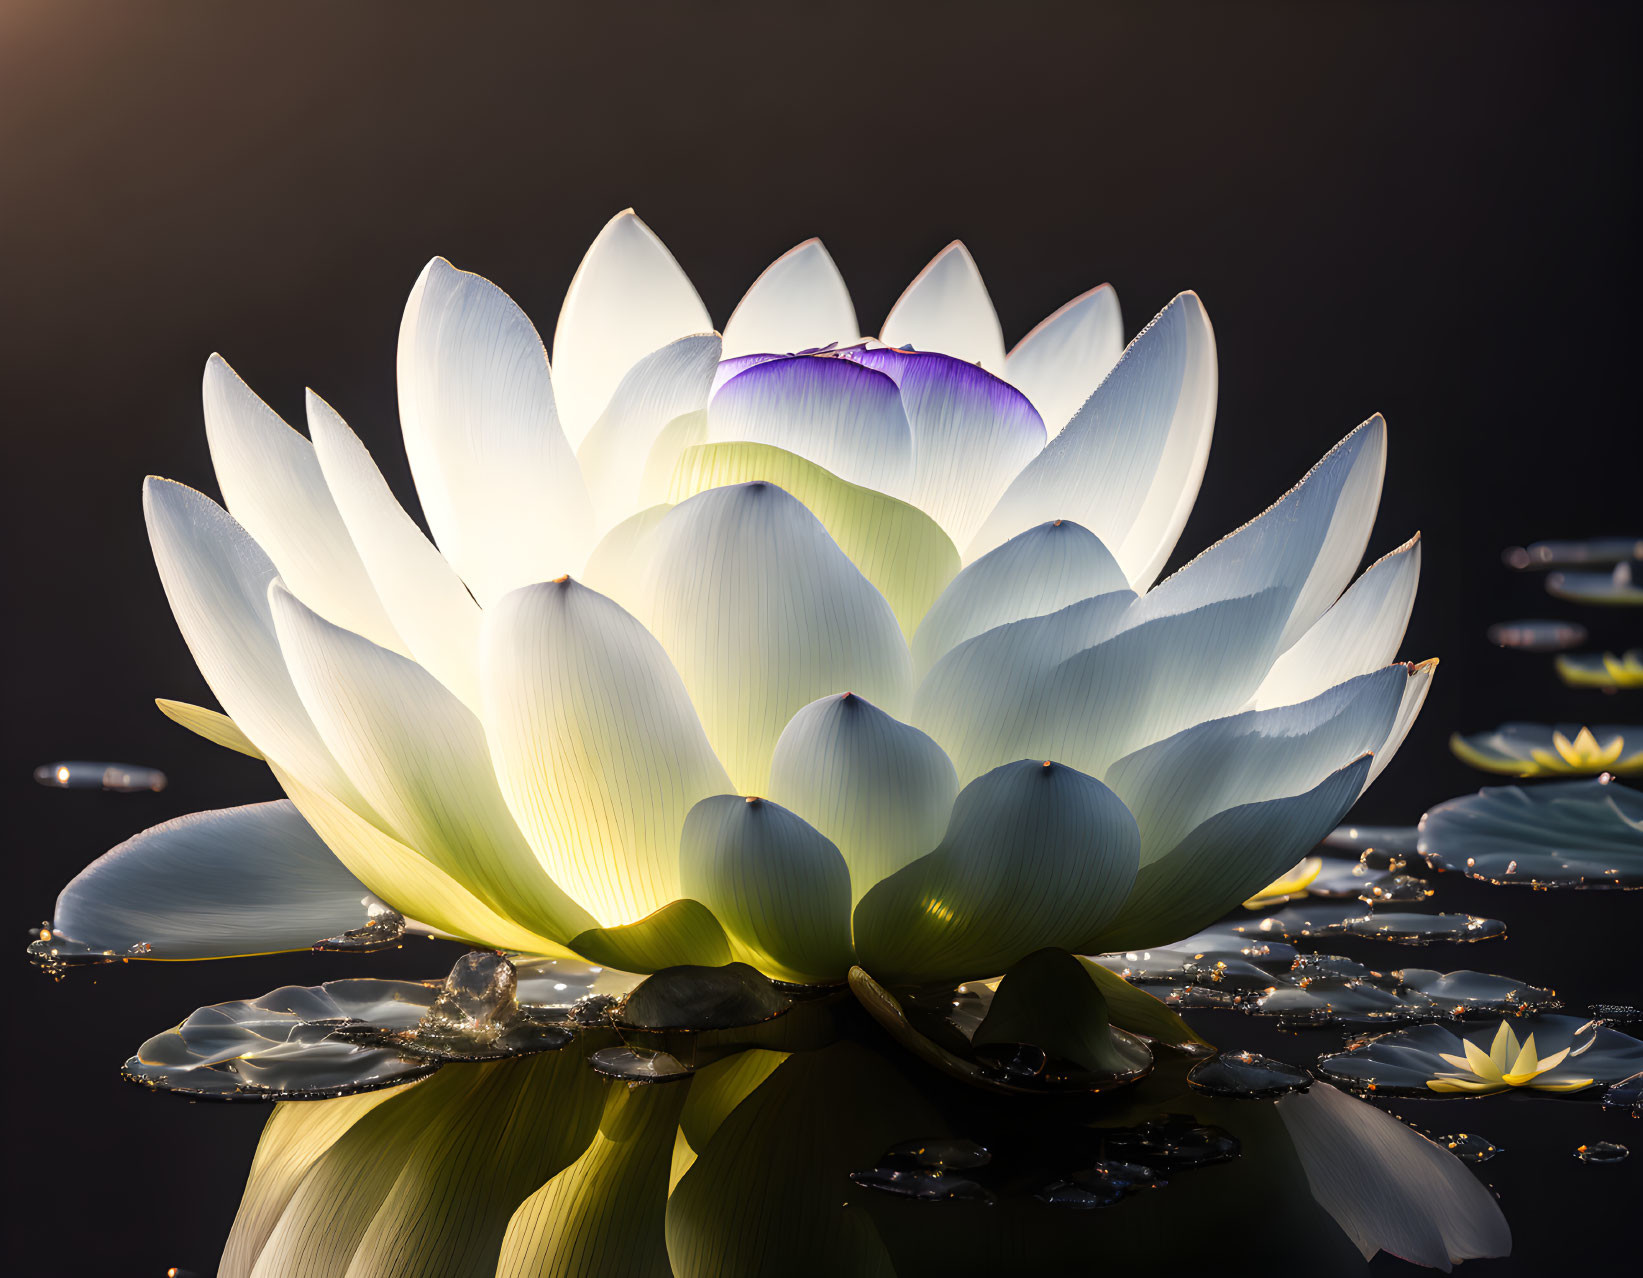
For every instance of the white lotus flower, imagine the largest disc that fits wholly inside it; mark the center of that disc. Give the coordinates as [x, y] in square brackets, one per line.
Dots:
[847, 656]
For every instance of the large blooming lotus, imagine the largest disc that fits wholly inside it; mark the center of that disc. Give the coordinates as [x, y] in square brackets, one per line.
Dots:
[790, 646]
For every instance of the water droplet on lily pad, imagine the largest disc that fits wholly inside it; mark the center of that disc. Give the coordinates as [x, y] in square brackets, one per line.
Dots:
[1469, 1147]
[638, 1065]
[1247, 1076]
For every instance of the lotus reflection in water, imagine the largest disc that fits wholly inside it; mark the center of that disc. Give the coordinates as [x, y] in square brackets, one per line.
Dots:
[789, 655]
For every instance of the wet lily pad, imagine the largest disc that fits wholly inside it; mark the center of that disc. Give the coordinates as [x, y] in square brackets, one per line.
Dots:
[1247, 1076]
[1601, 669]
[1541, 1054]
[1560, 554]
[280, 1046]
[1553, 750]
[1571, 834]
[1617, 587]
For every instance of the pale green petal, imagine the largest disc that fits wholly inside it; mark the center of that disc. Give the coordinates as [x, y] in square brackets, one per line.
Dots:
[425, 1183]
[761, 613]
[406, 879]
[597, 746]
[420, 757]
[880, 789]
[214, 726]
[897, 547]
[1036, 855]
[776, 884]
[475, 1162]
[297, 1134]
[682, 931]
[605, 1213]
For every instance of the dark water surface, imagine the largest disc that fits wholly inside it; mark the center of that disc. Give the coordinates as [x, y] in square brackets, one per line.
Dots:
[1428, 211]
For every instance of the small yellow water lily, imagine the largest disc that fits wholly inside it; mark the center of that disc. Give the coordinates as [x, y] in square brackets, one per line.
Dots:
[1505, 1065]
[1584, 754]
[1290, 885]
[1539, 750]
[1602, 670]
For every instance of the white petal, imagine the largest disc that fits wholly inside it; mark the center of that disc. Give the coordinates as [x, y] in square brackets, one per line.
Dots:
[1067, 356]
[420, 758]
[1156, 677]
[775, 883]
[216, 579]
[430, 607]
[663, 385]
[1414, 697]
[1038, 571]
[1360, 633]
[598, 749]
[832, 411]
[250, 880]
[628, 298]
[1128, 464]
[880, 789]
[1307, 543]
[498, 483]
[762, 613]
[619, 564]
[272, 484]
[1225, 860]
[1183, 780]
[800, 302]
[946, 308]
[1388, 1187]
[984, 700]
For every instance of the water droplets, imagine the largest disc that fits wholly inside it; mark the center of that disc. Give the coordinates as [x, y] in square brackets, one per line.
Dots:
[384, 927]
[1602, 1152]
[1469, 1147]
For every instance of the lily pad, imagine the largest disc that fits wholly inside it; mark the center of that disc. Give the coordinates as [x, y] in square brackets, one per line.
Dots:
[1553, 750]
[1542, 1054]
[1570, 834]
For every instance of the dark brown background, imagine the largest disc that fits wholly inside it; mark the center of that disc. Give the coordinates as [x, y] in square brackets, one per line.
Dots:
[1429, 210]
